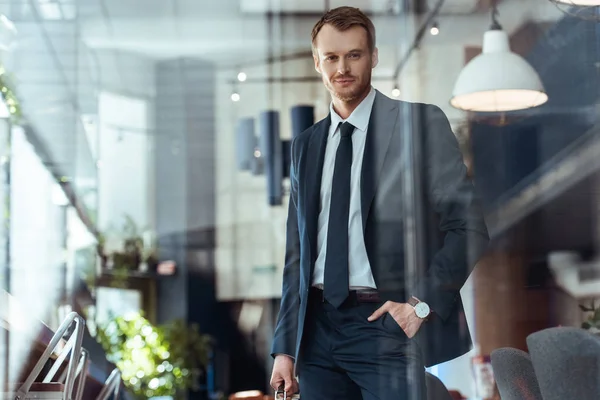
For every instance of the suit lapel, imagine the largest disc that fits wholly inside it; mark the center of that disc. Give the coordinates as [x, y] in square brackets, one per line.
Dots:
[314, 171]
[382, 125]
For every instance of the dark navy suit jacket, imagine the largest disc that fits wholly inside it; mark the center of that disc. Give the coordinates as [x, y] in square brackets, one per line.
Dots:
[452, 224]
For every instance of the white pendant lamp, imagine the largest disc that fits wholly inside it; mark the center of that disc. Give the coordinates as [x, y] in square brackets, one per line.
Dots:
[497, 80]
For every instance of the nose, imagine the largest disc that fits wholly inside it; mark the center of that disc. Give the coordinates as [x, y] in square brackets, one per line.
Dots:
[343, 67]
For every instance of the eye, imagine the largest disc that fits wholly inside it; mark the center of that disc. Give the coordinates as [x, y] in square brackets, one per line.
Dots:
[354, 55]
[331, 58]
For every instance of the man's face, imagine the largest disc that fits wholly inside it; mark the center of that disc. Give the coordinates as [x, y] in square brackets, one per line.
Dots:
[344, 61]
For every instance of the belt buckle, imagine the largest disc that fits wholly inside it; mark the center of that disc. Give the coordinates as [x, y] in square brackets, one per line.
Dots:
[372, 296]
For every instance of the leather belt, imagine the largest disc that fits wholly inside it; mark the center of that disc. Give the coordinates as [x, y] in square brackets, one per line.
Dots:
[354, 297]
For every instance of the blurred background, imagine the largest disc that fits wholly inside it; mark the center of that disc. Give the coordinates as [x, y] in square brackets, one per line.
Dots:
[144, 154]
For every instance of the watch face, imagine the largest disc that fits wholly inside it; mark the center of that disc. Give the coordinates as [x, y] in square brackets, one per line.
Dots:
[422, 310]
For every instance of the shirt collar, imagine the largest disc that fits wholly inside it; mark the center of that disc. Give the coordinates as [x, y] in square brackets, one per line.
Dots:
[359, 117]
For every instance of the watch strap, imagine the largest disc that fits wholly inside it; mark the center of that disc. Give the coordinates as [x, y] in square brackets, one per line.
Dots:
[413, 301]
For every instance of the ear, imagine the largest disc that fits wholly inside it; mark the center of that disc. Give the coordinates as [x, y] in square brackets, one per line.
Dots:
[375, 58]
[317, 62]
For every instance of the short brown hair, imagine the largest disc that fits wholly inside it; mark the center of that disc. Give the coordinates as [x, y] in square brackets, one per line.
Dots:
[344, 18]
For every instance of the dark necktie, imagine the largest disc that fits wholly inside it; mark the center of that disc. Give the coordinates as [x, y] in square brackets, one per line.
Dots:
[336, 279]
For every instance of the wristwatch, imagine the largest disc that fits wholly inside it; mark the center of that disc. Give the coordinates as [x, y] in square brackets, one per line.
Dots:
[422, 309]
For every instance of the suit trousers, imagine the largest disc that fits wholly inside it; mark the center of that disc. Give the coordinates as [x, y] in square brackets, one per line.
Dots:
[344, 356]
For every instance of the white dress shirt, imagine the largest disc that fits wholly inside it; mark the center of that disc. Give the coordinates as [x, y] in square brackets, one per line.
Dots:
[360, 273]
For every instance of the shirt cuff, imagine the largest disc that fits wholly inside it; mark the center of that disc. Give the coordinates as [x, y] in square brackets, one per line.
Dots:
[283, 354]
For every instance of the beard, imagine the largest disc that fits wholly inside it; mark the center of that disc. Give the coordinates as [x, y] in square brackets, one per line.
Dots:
[350, 93]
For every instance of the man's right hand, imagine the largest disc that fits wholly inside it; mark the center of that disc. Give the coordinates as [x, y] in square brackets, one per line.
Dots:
[283, 375]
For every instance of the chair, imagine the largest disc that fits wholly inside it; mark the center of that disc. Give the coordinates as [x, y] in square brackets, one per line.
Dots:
[49, 388]
[436, 390]
[456, 395]
[514, 375]
[80, 375]
[112, 385]
[567, 363]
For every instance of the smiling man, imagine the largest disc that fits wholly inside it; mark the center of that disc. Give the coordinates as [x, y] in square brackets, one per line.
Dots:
[352, 323]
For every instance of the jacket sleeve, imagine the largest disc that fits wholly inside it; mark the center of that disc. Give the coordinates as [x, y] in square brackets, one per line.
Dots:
[284, 341]
[451, 194]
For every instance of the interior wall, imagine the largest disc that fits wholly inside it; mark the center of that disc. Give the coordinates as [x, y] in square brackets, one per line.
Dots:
[124, 151]
[124, 79]
[249, 232]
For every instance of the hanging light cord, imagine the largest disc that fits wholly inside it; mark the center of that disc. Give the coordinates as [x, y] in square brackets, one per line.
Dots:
[495, 24]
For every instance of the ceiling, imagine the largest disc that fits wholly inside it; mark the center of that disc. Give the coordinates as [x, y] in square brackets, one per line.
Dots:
[369, 6]
[226, 31]
[314, 6]
[206, 9]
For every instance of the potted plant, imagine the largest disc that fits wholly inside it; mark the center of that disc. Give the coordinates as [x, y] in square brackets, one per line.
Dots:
[592, 323]
[155, 360]
[127, 250]
[129, 257]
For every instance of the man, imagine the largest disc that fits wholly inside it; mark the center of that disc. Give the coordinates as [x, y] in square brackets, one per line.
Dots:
[352, 322]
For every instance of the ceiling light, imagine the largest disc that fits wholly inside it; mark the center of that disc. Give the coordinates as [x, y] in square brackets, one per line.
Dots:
[8, 33]
[497, 80]
[435, 30]
[241, 76]
[50, 10]
[235, 96]
[396, 91]
[7, 23]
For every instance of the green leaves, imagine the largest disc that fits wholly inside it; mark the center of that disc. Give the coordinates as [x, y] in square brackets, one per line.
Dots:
[8, 95]
[155, 360]
[593, 320]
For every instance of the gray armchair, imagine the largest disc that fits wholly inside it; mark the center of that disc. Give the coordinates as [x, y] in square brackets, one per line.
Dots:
[514, 375]
[567, 363]
[436, 390]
